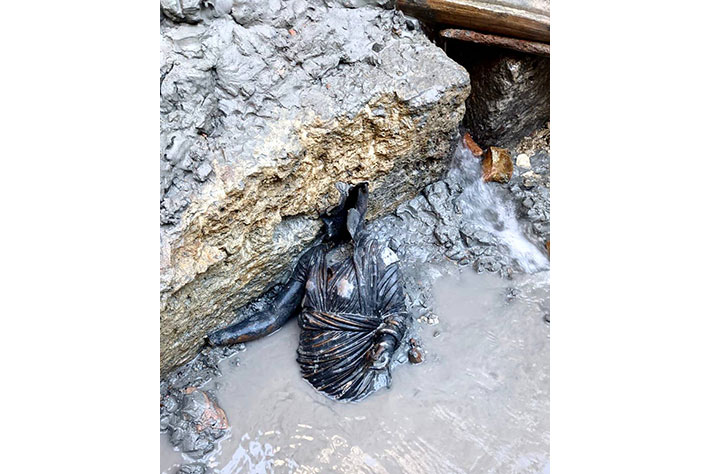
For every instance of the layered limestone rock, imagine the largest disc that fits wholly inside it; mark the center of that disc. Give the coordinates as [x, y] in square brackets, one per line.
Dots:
[264, 107]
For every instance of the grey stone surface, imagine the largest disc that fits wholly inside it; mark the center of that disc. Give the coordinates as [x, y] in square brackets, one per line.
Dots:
[530, 187]
[264, 106]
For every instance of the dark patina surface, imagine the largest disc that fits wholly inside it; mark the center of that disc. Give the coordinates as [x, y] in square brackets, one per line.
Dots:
[347, 294]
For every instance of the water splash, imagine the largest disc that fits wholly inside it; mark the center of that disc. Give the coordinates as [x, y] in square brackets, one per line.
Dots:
[489, 207]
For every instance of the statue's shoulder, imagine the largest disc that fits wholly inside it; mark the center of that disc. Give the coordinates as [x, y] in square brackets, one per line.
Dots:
[378, 248]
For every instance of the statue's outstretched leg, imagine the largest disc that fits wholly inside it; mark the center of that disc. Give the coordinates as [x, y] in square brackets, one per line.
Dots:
[286, 305]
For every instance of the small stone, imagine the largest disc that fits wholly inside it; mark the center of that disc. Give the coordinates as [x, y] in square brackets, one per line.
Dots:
[512, 294]
[497, 165]
[195, 468]
[523, 161]
[547, 246]
[170, 404]
[203, 411]
[164, 423]
[185, 164]
[203, 171]
[471, 145]
[415, 355]
[445, 235]
[530, 179]
[455, 254]
[484, 237]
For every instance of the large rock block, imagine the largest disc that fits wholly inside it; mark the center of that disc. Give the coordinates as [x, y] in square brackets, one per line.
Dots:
[264, 107]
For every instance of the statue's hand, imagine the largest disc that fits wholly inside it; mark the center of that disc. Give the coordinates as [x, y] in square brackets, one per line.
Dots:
[216, 338]
[381, 353]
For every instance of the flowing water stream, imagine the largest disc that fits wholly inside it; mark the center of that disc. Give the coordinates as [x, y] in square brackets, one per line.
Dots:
[478, 403]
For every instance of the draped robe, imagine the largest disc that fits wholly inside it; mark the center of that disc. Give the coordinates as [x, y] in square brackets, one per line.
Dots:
[348, 306]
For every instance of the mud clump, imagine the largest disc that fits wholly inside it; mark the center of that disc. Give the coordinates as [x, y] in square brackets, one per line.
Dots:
[196, 423]
[193, 468]
[190, 416]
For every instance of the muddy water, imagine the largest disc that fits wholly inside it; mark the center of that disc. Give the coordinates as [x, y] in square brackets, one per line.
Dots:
[479, 402]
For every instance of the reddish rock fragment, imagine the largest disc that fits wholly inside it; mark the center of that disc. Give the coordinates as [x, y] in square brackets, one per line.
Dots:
[497, 165]
[213, 416]
[414, 353]
[471, 145]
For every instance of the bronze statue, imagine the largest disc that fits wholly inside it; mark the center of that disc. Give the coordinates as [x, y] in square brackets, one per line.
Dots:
[347, 293]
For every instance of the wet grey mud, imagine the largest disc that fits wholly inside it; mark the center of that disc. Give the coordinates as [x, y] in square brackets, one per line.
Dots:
[476, 279]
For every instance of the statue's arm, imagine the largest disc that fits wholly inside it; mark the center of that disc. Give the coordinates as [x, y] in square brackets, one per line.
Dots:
[286, 305]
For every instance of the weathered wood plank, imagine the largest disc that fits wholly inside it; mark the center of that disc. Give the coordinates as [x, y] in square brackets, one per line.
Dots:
[523, 19]
[524, 46]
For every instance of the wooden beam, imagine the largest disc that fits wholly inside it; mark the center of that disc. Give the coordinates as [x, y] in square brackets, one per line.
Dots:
[522, 19]
[525, 46]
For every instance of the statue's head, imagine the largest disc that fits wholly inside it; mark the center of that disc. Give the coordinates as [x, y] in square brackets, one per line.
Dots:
[345, 220]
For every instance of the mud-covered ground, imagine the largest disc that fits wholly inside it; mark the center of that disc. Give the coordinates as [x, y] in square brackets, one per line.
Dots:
[457, 223]
[478, 403]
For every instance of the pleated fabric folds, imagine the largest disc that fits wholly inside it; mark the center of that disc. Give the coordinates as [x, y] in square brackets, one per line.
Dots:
[343, 308]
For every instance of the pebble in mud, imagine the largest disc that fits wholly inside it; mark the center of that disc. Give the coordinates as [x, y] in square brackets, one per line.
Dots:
[198, 422]
[472, 145]
[414, 353]
[192, 468]
[522, 161]
[191, 417]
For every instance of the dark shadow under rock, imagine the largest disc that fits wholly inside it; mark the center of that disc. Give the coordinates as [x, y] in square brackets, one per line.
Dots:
[510, 92]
